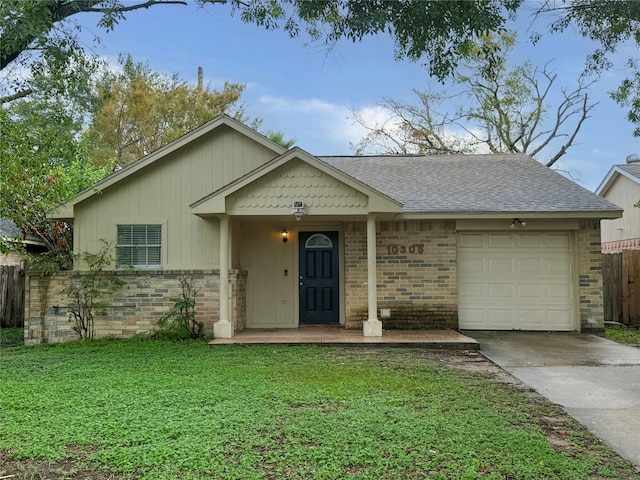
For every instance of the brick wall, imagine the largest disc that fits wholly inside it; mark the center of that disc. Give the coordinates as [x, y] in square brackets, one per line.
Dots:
[416, 274]
[590, 275]
[135, 308]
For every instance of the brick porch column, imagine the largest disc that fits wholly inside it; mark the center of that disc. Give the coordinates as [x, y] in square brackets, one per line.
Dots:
[372, 327]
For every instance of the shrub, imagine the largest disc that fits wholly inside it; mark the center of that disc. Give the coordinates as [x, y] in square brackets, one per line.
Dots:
[180, 322]
[89, 292]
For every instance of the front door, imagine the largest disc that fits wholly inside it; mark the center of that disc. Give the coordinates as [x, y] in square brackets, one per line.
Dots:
[319, 279]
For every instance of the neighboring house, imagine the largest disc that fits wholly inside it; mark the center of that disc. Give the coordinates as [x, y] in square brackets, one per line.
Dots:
[286, 238]
[622, 187]
[10, 233]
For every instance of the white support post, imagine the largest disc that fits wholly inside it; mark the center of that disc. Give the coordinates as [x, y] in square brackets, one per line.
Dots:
[223, 328]
[372, 327]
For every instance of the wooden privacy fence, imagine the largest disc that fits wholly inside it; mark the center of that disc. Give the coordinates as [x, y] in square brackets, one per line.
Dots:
[11, 296]
[621, 287]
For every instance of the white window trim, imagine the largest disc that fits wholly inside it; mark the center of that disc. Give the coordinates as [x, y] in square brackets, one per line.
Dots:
[142, 221]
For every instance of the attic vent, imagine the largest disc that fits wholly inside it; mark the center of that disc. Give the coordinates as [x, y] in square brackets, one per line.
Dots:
[633, 158]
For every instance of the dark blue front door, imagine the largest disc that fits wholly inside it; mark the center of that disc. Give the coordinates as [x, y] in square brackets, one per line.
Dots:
[319, 278]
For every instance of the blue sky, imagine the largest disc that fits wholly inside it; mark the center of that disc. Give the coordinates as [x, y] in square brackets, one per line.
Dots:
[309, 93]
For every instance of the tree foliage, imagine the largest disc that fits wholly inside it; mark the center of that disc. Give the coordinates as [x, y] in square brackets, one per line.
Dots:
[140, 110]
[441, 33]
[39, 32]
[279, 138]
[38, 36]
[611, 25]
[504, 110]
[42, 165]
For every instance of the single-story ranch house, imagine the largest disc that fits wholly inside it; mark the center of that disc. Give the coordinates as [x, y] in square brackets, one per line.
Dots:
[277, 238]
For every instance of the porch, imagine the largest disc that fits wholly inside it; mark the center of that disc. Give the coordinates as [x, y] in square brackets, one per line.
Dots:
[332, 336]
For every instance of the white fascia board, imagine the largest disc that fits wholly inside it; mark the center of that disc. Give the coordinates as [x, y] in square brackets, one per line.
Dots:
[610, 178]
[599, 214]
[377, 201]
[175, 145]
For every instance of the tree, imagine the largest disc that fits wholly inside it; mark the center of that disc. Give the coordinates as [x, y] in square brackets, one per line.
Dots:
[36, 33]
[42, 165]
[140, 110]
[439, 32]
[507, 111]
[36, 37]
[278, 137]
[412, 129]
[611, 25]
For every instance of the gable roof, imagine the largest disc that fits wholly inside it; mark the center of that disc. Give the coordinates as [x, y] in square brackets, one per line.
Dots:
[66, 210]
[215, 202]
[474, 184]
[628, 170]
[10, 231]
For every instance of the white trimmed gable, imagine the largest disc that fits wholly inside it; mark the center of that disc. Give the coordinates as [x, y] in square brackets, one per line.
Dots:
[321, 193]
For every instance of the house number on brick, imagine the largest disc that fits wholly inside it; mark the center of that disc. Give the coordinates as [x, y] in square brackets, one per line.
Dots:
[411, 249]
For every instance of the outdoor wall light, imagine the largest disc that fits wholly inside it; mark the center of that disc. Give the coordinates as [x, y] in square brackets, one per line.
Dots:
[298, 210]
[285, 236]
[517, 223]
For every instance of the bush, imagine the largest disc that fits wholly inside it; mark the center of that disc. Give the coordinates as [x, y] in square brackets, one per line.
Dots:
[180, 322]
[89, 292]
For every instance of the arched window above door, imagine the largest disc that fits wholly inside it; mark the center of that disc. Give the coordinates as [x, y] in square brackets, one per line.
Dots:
[318, 240]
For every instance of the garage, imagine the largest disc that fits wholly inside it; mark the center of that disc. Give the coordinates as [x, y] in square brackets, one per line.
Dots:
[516, 281]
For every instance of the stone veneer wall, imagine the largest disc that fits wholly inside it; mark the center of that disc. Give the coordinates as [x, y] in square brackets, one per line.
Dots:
[590, 275]
[136, 308]
[416, 274]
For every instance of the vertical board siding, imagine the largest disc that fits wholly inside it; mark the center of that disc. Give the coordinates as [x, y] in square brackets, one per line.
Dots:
[621, 289]
[612, 287]
[625, 193]
[631, 287]
[165, 189]
[11, 296]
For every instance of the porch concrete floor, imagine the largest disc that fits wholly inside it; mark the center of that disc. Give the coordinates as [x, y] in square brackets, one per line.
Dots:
[429, 339]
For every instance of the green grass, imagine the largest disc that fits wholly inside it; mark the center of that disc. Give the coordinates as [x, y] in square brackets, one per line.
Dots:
[11, 337]
[160, 410]
[628, 336]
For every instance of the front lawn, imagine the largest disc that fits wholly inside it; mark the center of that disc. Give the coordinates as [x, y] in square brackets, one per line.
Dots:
[628, 336]
[160, 410]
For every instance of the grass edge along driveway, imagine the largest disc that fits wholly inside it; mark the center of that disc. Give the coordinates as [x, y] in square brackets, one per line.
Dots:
[161, 410]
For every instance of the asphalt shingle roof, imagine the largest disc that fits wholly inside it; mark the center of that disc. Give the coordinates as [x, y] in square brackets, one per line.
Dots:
[471, 183]
[631, 169]
[9, 229]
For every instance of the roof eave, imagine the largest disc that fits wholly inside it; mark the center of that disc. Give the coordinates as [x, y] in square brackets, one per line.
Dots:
[611, 177]
[593, 214]
[214, 203]
[173, 146]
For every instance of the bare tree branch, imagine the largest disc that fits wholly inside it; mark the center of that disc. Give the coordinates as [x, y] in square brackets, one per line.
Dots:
[21, 94]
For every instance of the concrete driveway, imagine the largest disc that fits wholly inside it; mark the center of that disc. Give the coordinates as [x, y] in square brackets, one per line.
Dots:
[595, 380]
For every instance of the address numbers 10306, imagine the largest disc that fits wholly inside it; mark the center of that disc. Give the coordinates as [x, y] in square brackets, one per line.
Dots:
[395, 249]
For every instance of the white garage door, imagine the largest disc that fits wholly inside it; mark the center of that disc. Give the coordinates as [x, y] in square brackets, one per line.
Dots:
[515, 281]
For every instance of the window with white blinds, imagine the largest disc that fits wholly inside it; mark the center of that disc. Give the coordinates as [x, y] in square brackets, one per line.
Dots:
[139, 246]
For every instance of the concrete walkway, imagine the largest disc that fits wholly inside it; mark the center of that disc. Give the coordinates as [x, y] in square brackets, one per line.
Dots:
[595, 380]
